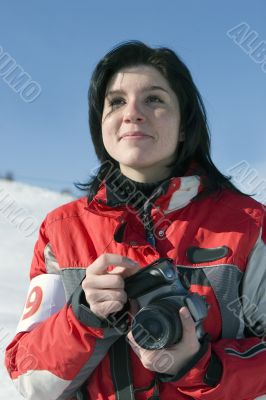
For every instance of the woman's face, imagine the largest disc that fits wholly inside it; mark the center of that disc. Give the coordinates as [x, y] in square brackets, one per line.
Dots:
[141, 123]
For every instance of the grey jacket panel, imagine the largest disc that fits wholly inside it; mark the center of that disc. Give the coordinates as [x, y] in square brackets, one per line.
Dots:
[254, 290]
[225, 281]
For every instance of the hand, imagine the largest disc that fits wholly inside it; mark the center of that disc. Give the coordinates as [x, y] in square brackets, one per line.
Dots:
[104, 290]
[172, 359]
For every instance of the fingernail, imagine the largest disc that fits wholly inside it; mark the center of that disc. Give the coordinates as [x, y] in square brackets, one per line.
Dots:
[185, 313]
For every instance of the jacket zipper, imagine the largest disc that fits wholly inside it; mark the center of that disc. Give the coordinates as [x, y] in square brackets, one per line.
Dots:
[148, 226]
[147, 219]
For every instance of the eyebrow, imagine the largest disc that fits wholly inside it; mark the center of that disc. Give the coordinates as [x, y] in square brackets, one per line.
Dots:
[145, 89]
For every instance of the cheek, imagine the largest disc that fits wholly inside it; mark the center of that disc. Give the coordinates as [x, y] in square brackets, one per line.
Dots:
[110, 126]
[168, 131]
[107, 142]
[109, 136]
[106, 131]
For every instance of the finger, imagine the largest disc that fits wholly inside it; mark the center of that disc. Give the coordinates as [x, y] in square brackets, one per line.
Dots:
[137, 349]
[147, 357]
[135, 345]
[106, 308]
[98, 296]
[134, 306]
[130, 337]
[189, 339]
[101, 264]
[103, 282]
[125, 272]
[187, 321]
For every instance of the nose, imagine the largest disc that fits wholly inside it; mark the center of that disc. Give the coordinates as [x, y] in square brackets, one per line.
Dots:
[133, 113]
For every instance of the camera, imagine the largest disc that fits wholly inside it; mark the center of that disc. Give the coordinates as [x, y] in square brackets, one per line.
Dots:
[160, 293]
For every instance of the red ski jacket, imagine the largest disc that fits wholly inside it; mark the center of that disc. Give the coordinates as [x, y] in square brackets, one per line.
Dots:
[61, 346]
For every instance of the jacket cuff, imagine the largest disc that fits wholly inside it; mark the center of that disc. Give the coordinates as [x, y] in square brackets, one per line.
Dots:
[203, 351]
[82, 311]
[204, 368]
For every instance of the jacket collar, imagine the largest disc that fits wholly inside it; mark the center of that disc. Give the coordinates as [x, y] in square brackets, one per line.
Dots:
[185, 190]
[172, 194]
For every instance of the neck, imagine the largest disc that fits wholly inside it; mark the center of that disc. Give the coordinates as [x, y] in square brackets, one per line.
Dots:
[121, 189]
[145, 175]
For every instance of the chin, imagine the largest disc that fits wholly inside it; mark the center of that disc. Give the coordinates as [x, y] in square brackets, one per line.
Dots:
[136, 164]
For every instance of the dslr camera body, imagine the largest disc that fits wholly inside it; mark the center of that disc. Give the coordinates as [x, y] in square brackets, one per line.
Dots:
[160, 294]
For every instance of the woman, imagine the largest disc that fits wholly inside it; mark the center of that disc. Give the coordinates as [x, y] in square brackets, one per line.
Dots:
[157, 194]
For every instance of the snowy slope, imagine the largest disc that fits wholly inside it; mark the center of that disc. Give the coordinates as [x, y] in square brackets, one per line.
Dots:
[22, 209]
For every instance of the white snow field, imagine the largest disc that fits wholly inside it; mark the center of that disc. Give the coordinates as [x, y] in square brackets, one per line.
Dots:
[22, 209]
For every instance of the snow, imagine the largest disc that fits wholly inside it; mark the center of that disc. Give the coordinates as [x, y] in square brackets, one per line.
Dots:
[22, 209]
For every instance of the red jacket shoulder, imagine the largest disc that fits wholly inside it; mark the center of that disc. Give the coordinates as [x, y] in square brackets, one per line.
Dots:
[72, 209]
[241, 203]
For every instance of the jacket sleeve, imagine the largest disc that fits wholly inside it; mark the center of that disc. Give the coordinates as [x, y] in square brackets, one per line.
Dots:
[55, 349]
[233, 368]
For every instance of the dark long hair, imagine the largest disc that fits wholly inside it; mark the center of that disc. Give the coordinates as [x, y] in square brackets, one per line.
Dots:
[195, 150]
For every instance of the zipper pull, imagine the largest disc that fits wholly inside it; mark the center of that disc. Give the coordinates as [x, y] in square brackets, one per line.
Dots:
[148, 226]
[150, 238]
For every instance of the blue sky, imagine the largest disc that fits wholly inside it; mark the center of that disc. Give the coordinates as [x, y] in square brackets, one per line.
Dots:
[58, 42]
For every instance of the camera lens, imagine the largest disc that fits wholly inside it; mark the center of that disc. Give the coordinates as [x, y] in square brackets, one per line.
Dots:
[155, 327]
[158, 325]
[149, 331]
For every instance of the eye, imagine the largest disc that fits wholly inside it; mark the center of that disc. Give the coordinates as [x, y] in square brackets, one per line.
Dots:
[154, 99]
[116, 102]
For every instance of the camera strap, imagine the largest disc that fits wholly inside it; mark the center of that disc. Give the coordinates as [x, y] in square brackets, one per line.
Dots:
[121, 370]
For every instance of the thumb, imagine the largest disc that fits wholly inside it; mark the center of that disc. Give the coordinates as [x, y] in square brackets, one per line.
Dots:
[125, 272]
[187, 321]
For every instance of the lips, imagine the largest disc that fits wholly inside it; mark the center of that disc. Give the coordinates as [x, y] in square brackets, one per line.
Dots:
[133, 134]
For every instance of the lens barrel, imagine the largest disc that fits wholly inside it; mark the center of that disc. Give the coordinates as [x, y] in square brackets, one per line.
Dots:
[157, 325]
